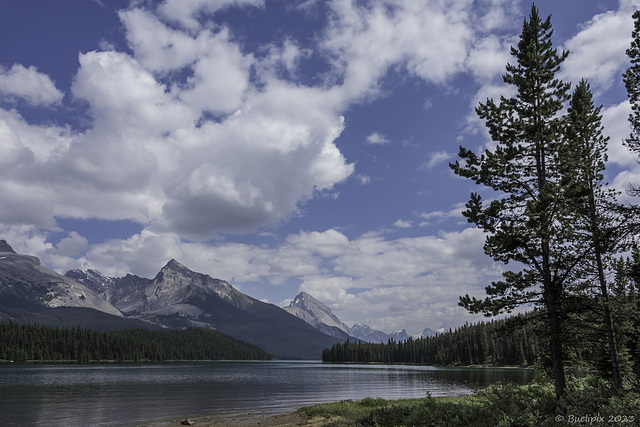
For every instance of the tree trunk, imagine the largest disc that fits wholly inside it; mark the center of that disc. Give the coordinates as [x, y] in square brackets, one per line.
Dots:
[608, 320]
[551, 296]
[555, 343]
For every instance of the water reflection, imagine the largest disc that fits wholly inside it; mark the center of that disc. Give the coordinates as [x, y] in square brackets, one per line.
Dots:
[129, 394]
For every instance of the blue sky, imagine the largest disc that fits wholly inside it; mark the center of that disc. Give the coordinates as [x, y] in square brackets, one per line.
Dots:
[279, 145]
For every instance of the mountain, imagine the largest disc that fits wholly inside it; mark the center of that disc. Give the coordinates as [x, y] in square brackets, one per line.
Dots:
[178, 298]
[366, 333]
[427, 332]
[27, 285]
[118, 291]
[31, 293]
[399, 335]
[318, 315]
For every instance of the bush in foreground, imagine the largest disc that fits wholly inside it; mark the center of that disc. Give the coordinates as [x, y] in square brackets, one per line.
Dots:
[587, 401]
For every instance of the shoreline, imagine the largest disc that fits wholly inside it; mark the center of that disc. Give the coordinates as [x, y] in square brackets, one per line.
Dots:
[288, 419]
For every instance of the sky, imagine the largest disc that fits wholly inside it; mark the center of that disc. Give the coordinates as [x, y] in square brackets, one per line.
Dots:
[280, 145]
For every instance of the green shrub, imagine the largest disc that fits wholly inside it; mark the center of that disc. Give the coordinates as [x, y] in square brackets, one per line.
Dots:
[510, 405]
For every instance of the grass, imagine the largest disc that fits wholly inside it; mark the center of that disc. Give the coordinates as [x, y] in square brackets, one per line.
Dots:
[352, 412]
[501, 404]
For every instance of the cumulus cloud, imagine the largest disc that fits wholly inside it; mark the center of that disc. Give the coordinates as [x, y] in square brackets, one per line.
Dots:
[28, 84]
[598, 49]
[199, 145]
[365, 40]
[488, 57]
[198, 152]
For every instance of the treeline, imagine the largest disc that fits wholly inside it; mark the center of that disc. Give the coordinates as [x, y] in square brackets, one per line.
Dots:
[472, 344]
[521, 340]
[29, 342]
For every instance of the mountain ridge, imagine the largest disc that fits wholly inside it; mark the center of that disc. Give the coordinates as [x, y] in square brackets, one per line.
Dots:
[24, 282]
[175, 298]
[318, 315]
[178, 297]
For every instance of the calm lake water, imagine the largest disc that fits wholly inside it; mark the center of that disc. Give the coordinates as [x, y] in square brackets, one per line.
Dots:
[130, 394]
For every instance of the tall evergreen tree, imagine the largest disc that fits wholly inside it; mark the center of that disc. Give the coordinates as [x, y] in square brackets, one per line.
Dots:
[527, 222]
[598, 217]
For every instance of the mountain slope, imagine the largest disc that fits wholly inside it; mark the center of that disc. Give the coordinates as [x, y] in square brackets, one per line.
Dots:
[176, 298]
[179, 297]
[318, 315]
[366, 333]
[26, 284]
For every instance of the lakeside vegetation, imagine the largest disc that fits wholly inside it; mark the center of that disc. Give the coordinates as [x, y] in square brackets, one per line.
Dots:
[485, 343]
[587, 401]
[39, 343]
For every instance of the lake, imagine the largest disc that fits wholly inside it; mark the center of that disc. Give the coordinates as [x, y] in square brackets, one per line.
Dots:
[129, 394]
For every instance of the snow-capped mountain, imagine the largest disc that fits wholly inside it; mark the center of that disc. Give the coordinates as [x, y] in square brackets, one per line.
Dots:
[318, 315]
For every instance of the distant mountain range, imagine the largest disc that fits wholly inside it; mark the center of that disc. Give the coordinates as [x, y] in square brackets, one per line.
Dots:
[321, 317]
[176, 298]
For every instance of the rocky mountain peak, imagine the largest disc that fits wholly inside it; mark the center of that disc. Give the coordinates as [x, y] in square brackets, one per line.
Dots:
[174, 265]
[318, 315]
[304, 300]
[5, 247]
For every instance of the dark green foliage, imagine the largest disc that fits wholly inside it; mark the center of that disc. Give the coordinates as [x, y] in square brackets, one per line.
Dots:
[28, 342]
[599, 221]
[479, 344]
[511, 405]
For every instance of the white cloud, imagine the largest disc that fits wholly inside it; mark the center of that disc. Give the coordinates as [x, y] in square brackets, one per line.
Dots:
[366, 40]
[160, 48]
[436, 159]
[220, 79]
[29, 84]
[184, 12]
[70, 246]
[401, 223]
[598, 49]
[616, 126]
[377, 138]
[488, 57]
[364, 179]
[153, 154]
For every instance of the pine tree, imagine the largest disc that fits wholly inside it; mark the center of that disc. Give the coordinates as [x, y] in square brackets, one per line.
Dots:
[598, 217]
[527, 222]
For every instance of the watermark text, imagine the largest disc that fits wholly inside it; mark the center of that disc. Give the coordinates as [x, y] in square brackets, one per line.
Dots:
[591, 419]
